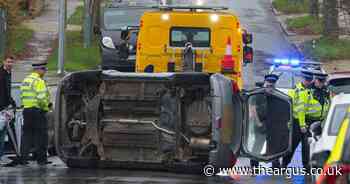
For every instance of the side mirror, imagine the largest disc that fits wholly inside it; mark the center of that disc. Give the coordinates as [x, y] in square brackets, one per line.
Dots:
[247, 55]
[247, 37]
[259, 84]
[316, 129]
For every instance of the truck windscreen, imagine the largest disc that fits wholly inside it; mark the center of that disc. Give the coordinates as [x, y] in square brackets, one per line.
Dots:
[199, 37]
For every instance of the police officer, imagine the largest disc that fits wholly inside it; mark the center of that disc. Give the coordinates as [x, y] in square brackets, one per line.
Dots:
[321, 94]
[35, 100]
[301, 96]
[270, 83]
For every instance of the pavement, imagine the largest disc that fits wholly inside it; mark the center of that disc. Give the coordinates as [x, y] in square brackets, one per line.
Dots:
[40, 47]
[270, 41]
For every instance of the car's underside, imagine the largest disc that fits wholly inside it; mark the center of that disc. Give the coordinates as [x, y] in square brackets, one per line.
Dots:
[147, 119]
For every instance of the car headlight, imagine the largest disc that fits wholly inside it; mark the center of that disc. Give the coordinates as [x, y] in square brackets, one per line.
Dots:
[108, 42]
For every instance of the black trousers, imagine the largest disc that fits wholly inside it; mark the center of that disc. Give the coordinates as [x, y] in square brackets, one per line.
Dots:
[35, 134]
[298, 137]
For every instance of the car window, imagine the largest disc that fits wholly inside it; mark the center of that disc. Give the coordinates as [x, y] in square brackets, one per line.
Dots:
[341, 85]
[337, 118]
[285, 80]
[340, 82]
[199, 37]
[118, 18]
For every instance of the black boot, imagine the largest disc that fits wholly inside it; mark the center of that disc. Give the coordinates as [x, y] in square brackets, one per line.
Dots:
[16, 162]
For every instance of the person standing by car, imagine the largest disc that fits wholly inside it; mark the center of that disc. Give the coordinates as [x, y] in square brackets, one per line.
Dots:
[321, 94]
[301, 96]
[5, 98]
[36, 103]
[261, 106]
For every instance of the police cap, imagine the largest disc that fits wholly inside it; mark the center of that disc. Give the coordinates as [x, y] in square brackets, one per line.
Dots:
[307, 74]
[321, 75]
[271, 78]
[41, 65]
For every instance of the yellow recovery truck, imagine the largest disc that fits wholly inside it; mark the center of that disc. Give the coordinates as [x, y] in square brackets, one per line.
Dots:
[187, 39]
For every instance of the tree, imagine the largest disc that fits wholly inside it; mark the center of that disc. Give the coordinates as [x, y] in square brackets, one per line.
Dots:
[12, 8]
[314, 8]
[330, 23]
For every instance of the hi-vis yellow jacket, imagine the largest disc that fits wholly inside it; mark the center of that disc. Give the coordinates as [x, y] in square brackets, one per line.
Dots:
[304, 104]
[34, 92]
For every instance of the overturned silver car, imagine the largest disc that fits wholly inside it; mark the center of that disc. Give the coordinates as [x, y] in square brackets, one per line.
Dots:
[161, 121]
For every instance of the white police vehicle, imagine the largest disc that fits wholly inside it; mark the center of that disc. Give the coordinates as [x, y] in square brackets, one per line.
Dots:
[289, 71]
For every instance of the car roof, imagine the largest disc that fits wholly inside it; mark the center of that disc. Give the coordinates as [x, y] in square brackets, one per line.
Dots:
[341, 99]
[339, 75]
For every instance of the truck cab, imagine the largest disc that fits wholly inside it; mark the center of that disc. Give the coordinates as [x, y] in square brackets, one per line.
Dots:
[193, 39]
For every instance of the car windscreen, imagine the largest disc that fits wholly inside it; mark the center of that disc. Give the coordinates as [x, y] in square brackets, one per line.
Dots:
[118, 18]
[286, 80]
[199, 37]
[337, 118]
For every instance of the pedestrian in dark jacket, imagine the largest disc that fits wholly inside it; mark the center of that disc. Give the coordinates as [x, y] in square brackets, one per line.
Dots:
[5, 95]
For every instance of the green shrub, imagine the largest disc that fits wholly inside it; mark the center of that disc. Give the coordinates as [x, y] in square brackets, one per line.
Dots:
[291, 6]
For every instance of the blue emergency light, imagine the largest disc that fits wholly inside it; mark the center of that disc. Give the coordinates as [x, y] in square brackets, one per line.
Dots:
[295, 62]
[287, 62]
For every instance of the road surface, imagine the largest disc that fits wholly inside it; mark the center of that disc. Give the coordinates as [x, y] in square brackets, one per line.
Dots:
[269, 42]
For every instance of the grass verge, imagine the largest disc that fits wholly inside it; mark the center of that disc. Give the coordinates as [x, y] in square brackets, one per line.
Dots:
[291, 6]
[18, 37]
[76, 56]
[77, 17]
[327, 49]
[305, 25]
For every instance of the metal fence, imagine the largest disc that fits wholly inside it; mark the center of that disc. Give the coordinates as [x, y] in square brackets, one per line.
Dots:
[3, 29]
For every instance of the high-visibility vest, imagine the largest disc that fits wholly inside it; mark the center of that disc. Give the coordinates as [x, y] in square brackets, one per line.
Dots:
[34, 92]
[304, 105]
[320, 110]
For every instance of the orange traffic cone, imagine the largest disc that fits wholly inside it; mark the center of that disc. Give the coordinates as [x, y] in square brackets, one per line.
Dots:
[228, 62]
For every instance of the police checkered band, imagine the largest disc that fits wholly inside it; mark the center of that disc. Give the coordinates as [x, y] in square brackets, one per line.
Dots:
[271, 77]
[39, 66]
[307, 74]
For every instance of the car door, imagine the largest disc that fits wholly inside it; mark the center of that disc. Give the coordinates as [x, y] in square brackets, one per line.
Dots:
[227, 116]
[241, 124]
[267, 120]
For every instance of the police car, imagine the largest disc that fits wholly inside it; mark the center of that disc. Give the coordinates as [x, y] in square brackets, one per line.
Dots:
[324, 140]
[289, 71]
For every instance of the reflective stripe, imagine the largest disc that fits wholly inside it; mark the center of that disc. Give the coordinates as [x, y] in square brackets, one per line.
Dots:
[313, 111]
[313, 105]
[28, 97]
[299, 104]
